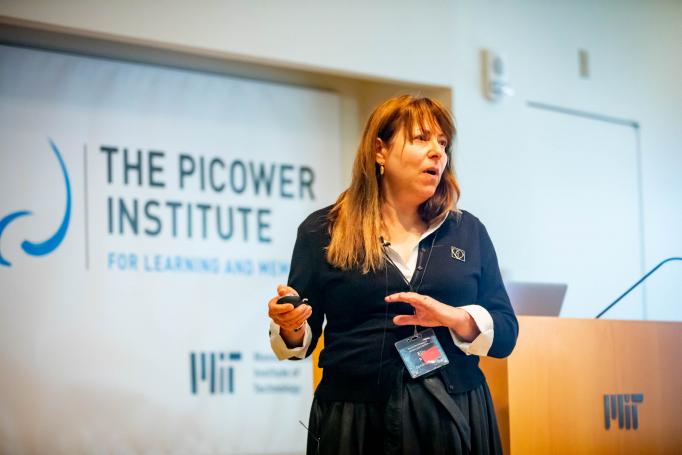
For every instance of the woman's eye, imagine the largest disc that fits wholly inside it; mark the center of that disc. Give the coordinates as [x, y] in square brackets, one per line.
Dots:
[443, 143]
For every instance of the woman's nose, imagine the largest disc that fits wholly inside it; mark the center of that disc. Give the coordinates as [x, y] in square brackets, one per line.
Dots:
[436, 148]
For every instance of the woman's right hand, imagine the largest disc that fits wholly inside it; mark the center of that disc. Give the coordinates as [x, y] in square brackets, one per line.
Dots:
[285, 315]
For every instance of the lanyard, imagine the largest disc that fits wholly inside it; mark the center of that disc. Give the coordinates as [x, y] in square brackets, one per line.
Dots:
[421, 278]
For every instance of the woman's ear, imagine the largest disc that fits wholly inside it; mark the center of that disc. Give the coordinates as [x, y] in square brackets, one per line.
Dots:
[380, 150]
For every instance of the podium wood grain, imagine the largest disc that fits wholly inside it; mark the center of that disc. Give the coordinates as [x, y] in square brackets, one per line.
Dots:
[549, 394]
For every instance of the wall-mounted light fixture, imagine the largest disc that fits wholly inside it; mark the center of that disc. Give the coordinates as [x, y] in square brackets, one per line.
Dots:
[494, 76]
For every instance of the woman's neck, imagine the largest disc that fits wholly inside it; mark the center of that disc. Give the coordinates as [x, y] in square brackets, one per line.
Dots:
[401, 220]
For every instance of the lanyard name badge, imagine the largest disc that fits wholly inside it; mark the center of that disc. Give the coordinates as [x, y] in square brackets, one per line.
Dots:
[421, 352]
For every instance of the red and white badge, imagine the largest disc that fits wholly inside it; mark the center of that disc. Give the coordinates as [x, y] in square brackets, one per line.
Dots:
[422, 353]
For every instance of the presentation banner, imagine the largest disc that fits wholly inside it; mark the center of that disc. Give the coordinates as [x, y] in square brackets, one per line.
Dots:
[146, 216]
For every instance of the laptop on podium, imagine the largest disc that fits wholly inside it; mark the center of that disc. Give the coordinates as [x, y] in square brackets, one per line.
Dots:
[536, 299]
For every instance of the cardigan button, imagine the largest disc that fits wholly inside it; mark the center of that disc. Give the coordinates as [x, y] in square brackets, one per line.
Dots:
[420, 267]
[450, 388]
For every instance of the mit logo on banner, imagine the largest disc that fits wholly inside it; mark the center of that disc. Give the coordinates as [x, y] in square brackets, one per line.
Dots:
[215, 369]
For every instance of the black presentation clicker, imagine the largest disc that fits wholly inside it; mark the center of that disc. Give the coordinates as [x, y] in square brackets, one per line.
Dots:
[295, 300]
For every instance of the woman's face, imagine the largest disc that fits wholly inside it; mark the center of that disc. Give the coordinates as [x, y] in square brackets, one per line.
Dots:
[413, 169]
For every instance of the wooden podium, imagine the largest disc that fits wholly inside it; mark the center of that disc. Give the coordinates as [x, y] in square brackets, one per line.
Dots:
[585, 386]
[570, 379]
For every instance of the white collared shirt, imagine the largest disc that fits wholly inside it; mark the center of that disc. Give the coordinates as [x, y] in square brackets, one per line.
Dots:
[479, 346]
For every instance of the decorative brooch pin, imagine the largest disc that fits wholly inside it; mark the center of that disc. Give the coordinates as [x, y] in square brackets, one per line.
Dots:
[458, 253]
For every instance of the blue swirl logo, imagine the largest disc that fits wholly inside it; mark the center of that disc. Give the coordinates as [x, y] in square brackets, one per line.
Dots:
[49, 245]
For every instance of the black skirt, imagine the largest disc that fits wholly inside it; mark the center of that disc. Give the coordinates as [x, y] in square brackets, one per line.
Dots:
[419, 417]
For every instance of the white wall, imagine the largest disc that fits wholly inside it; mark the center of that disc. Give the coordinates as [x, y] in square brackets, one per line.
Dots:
[636, 61]
[400, 40]
[633, 45]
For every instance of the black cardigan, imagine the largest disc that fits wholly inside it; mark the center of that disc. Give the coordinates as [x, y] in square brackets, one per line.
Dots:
[359, 323]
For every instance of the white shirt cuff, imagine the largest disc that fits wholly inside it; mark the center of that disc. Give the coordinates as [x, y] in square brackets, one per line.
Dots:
[482, 343]
[280, 348]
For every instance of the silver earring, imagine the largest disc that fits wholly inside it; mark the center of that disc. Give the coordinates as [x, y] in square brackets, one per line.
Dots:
[381, 169]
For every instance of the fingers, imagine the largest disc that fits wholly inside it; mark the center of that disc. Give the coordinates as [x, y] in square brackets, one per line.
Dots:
[274, 308]
[295, 318]
[414, 299]
[428, 312]
[294, 314]
[277, 308]
[285, 315]
[405, 319]
[283, 289]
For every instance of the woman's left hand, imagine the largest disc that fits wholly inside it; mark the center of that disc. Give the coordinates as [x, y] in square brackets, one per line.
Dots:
[429, 312]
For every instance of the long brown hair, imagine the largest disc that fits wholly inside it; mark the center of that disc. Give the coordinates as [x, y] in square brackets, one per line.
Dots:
[355, 219]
